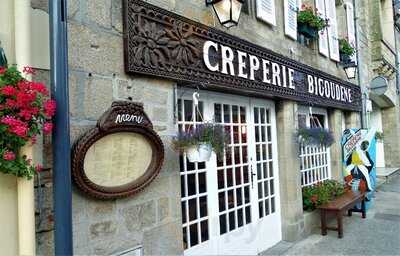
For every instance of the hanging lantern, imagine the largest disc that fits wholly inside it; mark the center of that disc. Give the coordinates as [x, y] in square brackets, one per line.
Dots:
[350, 70]
[228, 11]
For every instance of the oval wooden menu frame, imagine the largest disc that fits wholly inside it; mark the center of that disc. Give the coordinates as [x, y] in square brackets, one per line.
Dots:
[112, 122]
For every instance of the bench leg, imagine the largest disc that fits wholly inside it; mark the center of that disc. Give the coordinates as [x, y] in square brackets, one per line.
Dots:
[339, 217]
[323, 223]
[363, 210]
[349, 213]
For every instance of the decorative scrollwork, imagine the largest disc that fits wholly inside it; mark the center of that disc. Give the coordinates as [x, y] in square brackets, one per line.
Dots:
[184, 48]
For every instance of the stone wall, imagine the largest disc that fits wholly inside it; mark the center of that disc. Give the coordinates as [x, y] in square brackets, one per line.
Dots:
[152, 218]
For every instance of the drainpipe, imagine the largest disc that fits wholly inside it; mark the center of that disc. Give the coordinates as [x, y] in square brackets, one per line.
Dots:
[62, 192]
[26, 205]
[364, 89]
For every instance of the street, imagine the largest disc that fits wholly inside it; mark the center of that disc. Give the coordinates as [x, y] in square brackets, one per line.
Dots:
[378, 234]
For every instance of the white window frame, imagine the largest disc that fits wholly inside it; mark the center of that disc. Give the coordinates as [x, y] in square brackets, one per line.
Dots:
[291, 32]
[314, 161]
[269, 18]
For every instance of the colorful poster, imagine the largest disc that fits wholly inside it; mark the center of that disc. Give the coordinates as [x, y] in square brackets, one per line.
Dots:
[359, 161]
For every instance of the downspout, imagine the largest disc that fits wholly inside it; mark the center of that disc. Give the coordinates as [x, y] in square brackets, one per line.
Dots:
[62, 191]
[26, 201]
[364, 90]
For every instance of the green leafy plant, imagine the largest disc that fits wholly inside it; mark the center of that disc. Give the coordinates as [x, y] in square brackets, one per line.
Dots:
[310, 17]
[25, 111]
[379, 136]
[321, 193]
[207, 133]
[315, 137]
[345, 47]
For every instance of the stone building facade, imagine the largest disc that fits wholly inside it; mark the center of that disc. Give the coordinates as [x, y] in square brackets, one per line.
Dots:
[152, 220]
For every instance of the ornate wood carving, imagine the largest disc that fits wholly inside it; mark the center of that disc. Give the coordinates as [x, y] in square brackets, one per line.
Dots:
[121, 117]
[160, 43]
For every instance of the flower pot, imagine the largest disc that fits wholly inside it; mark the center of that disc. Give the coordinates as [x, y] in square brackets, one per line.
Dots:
[344, 58]
[199, 153]
[307, 31]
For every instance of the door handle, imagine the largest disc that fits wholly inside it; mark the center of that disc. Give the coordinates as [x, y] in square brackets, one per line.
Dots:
[252, 178]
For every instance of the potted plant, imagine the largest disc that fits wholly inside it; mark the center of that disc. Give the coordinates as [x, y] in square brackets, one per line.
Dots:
[199, 142]
[321, 193]
[310, 22]
[315, 137]
[346, 51]
[25, 111]
[379, 136]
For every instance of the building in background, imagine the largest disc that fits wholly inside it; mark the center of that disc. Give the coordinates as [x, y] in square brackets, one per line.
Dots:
[378, 37]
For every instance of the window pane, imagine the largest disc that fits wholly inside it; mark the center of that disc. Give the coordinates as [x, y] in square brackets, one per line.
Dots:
[248, 215]
[217, 113]
[194, 237]
[221, 200]
[238, 177]
[222, 224]
[191, 184]
[227, 114]
[188, 110]
[204, 230]
[231, 221]
[202, 182]
[192, 209]
[243, 115]
[231, 199]
[203, 206]
[221, 176]
[229, 177]
[240, 217]
[183, 212]
[239, 197]
[235, 114]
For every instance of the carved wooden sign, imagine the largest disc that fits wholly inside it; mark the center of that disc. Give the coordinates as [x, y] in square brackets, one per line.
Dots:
[160, 43]
[120, 156]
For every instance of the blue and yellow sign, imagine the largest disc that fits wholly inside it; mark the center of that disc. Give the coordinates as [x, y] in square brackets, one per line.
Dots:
[359, 161]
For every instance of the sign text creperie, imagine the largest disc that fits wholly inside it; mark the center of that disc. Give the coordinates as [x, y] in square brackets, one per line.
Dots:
[243, 65]
[163, 44]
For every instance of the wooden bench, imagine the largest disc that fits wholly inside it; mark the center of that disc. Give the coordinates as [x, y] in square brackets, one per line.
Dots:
[345, 202]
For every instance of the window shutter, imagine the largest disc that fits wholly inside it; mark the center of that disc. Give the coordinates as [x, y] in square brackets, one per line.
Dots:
[351, 33]
[332, 30]
[290, 11]
[266, 11]
[323, 34]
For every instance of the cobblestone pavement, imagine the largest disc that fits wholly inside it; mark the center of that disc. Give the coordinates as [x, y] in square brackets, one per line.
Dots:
[379, 234]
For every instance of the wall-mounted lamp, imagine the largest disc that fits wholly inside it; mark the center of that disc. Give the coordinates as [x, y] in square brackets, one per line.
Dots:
[228, 11]
[350, 70]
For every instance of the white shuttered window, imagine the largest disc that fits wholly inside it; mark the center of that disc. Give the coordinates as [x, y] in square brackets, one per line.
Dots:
[323, 34]
[290, 11]
[351, 33]
[266, 11]
[332, 30]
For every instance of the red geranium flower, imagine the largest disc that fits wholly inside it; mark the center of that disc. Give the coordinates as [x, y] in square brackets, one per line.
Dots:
[49, 108]
[2, 70]
[38, 168]
[47, 127]
[8, 90]
[29, 70]
[9, 156]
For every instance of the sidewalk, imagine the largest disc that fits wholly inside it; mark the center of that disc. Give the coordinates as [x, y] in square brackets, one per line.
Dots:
[378, 234]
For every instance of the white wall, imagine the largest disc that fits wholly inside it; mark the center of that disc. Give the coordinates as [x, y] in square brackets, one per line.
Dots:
[8, 183]
[376, 122]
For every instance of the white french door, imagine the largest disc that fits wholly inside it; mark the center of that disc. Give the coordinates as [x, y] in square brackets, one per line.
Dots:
[230, 204]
